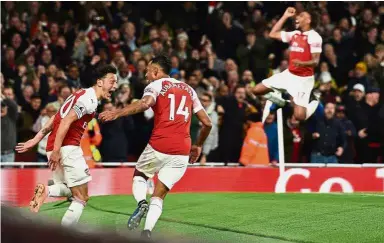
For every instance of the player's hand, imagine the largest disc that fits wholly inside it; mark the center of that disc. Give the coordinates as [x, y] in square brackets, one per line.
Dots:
[107, 116]
[290, 12]
[339, 151]
[297, 63]
[95, 60]
[195, 154]
[54, 160]
[24, 147]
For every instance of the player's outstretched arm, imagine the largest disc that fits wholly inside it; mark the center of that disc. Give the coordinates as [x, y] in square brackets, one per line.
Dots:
[276, 30]
[24, 147]
[204, 132]
[65, 123]
[139, 106]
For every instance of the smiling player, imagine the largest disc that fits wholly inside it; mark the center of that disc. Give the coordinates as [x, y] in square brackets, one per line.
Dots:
[298, 80]
[65, 157]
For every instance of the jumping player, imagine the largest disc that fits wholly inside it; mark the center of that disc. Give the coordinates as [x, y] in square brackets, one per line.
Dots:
[298, 80]
[169, 149]
[65, 157]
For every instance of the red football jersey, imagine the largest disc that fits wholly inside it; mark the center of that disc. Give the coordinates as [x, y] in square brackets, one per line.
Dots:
[175, 102]
[84, 102]
[301, 46]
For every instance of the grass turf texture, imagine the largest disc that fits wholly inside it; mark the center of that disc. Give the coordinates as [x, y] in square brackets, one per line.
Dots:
[249, 217]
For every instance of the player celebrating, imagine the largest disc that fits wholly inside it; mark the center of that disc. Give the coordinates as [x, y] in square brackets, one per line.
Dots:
[65, 157]
[169, 148]
[298, 80]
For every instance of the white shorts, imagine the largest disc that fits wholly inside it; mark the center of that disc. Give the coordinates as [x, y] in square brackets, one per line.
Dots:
[170, 168]
[73, 170]
[298, 87]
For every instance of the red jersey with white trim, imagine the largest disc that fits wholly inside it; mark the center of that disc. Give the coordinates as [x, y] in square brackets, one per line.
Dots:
[175, 102]
[84, 103]
[301, 46]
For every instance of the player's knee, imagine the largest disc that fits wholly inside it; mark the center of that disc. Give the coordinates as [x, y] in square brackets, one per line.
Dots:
[80, 196]
[299, 113]
[261, 89]
[300, 116]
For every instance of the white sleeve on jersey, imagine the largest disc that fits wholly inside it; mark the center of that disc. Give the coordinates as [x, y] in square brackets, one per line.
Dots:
[315, 42]
[196, 104]
[287, 36]
[153, 89]
[85, 104]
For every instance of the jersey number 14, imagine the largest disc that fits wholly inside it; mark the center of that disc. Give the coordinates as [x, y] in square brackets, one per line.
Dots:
[181, 110]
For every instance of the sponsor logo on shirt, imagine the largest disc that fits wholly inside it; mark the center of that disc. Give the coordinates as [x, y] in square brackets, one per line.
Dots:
[295, 47]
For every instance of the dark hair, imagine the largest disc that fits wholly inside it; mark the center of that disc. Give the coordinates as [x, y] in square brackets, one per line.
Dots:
[72, 65]
[163, 61]
[156, 40]
[254, 117]
[63, 87]
[142, 60]
[104, 70]
[208, 95]
[315, 17]
[239, 87]
[35, 96]
[192, 75]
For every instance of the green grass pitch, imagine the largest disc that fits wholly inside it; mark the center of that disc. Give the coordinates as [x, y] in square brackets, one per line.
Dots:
[249, 217]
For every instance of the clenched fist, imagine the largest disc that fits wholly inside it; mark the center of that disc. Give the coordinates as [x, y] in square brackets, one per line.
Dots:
[290, 12]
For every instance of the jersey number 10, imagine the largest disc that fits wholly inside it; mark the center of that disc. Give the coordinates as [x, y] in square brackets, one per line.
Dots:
[69, 100]
[182, 110]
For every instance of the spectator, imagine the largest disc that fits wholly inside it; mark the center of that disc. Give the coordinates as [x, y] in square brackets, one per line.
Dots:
[255, 147]
[283, 65]
[195, 82]
[46, 114]
[157, 46]
[153, 34]
[369, 132]
[129, 35]
[182, 51]
[328, 93]
[360, 77]
[254, 55]
[227, 35]
[294, 138]
[74, 76]
[9, 115]
[115, 134]
[115, 43]
[89, 142]
[270, 128]
[350, 133]
[232, 108]
[63, 93]
[124, 74]
[329, 137]
[212, 141]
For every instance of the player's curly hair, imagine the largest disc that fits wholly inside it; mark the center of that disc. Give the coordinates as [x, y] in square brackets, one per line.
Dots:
[163, 61]
[314, 12]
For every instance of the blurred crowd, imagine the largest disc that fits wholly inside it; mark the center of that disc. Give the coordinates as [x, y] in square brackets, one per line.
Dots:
[221, 49]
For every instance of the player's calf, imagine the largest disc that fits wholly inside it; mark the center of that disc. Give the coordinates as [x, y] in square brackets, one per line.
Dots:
[79, 201]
